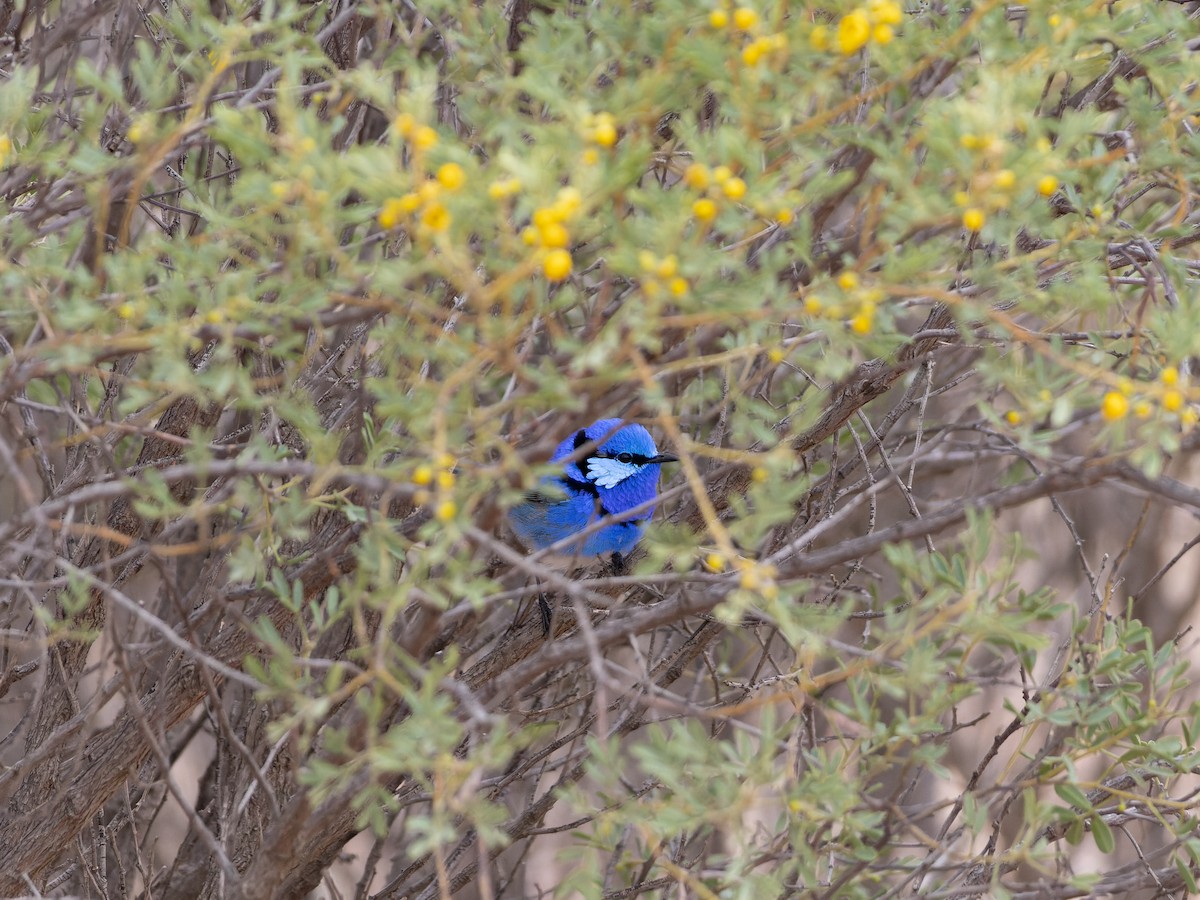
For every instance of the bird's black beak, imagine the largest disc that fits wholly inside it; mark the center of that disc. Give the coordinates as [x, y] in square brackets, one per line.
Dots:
[663, 458]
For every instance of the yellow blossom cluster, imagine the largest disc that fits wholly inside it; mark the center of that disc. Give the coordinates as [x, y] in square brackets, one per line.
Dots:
[434, 482]
[1167, 394]
[6, 146]
[426, 203]
[659, 273]
[549, 234]
[744, 22]
[600, 129]
[874, 22]
[714, 185]
[992, 186]
[855, 303]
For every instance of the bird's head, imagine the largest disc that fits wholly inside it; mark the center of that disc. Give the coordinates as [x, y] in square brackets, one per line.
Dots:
[625, 454]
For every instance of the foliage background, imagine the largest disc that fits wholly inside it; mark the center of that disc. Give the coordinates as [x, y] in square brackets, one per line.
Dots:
[296, 297]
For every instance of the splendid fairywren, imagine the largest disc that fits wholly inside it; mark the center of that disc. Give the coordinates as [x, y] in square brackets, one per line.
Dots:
[617, 475]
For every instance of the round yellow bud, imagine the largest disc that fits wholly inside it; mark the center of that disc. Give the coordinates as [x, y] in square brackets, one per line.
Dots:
[1169, 376]
[722, 174]
[882, 34]
[734, 188]
[818, 38]
[404, 124]
[446, 510]
[704, 209]
[451, 176]
[1114, 406]
[557, 265]
[445, 479]
[1012, 417]
[744, 18]
[718, 18]
[1047, 185]
[715, 562]
[435, 217]
[605, 134]
[554, 234]
[668, 266]
[424, 138]
[423, 475]
[973, 219]
[847, 280]
[678, 286]
[1142, 409]
[853, 32]
[1004, 179]
[696, 176]
[1172, 400]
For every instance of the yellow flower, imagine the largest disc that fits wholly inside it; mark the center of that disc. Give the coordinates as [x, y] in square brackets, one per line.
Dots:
[590, 156]
[715, 562]
[1169, 376]
[813, 305]
[605, 134]
[544, 217]
[1004, 179]
[1047, 185]
[1142, 409]
[667, 267]
[853, 32]
[784, 217]
[696, 176]
[445, 479]
[886, 12]
[557, 265]
[567, 202]
[391, 213]
[423, 475]
[435, 217]
[718, 18]
[1012, 417]
[818, 38]
[704, 209]
[126, 311]
[451, 176]
[554, 234]
[753, 53]
[404, 124]
[847, 280]
[861, 323]
[1172, 400]
[446, 510]
[1114, 406]
[744, 18]
[505, 187]
[973, 219]
[734, 188]
[424, 138]
[882, 34]
[678, 286]
[722, 174]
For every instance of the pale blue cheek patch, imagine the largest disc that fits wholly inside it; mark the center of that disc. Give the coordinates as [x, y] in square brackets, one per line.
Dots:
[608, 473]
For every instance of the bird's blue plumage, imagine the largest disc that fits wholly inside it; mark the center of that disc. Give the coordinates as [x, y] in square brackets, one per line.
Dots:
[619, 474]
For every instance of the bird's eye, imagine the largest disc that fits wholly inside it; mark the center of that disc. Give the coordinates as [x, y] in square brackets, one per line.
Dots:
[625, 457]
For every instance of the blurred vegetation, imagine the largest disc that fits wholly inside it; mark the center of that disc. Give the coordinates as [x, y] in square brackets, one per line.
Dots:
[298, 299]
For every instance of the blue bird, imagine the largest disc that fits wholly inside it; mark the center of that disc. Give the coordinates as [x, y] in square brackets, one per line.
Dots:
[618, 474]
